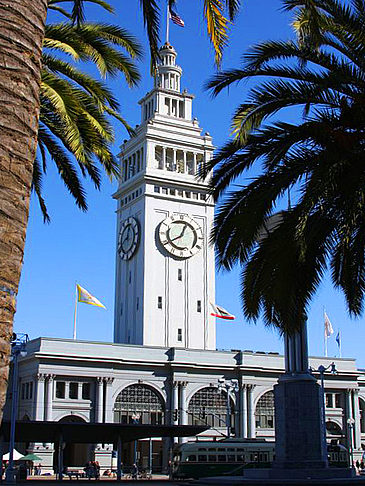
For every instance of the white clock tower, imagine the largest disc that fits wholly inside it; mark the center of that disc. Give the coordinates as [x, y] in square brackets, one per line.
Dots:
[165, 274]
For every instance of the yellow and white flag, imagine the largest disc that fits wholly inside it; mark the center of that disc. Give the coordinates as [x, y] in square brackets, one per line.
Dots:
[84, 296]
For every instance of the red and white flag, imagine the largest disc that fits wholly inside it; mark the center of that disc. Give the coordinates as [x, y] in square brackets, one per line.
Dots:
[218, 311]
[328, 329]
[176, 18]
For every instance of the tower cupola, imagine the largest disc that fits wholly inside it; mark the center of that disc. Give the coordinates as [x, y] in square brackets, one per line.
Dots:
[168, 74]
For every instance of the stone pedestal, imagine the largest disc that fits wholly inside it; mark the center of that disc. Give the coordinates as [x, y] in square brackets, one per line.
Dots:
[299, 428]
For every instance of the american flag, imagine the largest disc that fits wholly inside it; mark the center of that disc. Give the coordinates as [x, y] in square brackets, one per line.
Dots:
[176, 19]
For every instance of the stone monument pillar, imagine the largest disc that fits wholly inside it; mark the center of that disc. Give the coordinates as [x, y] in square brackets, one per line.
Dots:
[299, 427]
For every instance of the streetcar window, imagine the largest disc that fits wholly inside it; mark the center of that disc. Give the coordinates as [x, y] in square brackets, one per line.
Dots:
[222, 458]
[231, 457]
[202, 458]
[231, 449]
[254, 457]
[240, 458]
[191, 458]
[202, 448]
[212, 458]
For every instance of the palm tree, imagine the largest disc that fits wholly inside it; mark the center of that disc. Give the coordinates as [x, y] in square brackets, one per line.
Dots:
[74, 106]
[285, 249]
[73, 121]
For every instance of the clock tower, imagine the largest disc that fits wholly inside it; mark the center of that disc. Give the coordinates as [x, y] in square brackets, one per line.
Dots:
[165, 274]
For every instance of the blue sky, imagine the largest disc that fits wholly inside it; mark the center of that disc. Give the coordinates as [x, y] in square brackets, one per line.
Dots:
[80, 246]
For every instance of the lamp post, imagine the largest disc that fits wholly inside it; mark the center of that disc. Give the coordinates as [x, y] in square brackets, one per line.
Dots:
[18, 345]
[350, 425]
[228, 386]
[321, 370]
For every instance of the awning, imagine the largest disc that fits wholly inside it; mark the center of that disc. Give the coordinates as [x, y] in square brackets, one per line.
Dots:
[91, 433]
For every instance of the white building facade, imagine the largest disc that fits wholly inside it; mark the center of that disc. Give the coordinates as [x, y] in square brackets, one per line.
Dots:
[163, 367]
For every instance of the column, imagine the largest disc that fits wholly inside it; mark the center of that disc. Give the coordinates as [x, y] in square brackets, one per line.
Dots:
[251, 412]
[185, 168]
[164, 158]
[243, 411]
[194, 167]
[357, 425]
[49, 398]
[174, 402]
[109, 400]
[39, 397]
[99, 400]
[182, 409]
[349, 415]
[174, 160]
[183, 405]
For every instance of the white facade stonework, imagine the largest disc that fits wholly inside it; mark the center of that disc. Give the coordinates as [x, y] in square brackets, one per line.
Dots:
[163, 367]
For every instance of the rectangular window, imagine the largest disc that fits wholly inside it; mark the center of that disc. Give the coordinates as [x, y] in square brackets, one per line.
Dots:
[188, 194]
[338, 400]
[172, 192]
[137, 303]
[86, 391]
[31, 390]
[202, 197]
[156, 189]
[60, 389]
[23, 391]
[329, 403]
[179, 335]
[74, 391]
[164, 190]
[179, 274]
[180, 193]
[199, 306]
[195, 195]
[159, 302]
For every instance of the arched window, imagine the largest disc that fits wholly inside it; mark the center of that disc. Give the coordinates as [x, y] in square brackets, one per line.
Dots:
[138, 404]
[265, 411]
[333, 429]
[209, 406]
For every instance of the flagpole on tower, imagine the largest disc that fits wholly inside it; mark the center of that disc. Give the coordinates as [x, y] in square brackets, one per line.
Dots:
[167, 21]
[75, 314]
[324, 332]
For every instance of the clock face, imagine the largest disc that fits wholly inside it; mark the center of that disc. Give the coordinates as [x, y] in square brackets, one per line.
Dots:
[128, 238]
[181, 236]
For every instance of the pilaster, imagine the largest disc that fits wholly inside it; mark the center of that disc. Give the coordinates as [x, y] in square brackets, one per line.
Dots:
[99, 399]
[109, 399]
[39, 397]
[251, 412]
[48, 416]
[243, 417]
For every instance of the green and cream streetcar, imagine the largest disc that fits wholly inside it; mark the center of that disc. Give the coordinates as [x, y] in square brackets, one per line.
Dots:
[227, 457]
[230, 457]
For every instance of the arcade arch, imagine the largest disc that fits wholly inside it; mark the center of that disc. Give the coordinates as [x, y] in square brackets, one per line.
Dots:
[209, 406]
[74, 455]
[139, 403]
[265, 411]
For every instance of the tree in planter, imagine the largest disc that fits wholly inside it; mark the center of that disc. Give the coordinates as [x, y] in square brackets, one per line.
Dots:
[284, 254]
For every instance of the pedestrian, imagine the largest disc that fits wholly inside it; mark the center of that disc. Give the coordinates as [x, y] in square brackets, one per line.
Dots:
[134, 471]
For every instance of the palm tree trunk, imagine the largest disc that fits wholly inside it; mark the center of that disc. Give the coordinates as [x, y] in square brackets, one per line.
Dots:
[21, 34]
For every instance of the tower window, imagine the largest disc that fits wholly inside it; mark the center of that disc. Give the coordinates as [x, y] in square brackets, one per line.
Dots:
[179, 274]
[164, 190]
[172, 192]
[159, 302]
[157, 189]
[188, 194]
[179, 335]
[199, 306]
[137, 303]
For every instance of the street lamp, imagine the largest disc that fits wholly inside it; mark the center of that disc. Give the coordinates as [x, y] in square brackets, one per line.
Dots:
[18, 348]
[321, 370]
[350, 425]
[228, 386]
